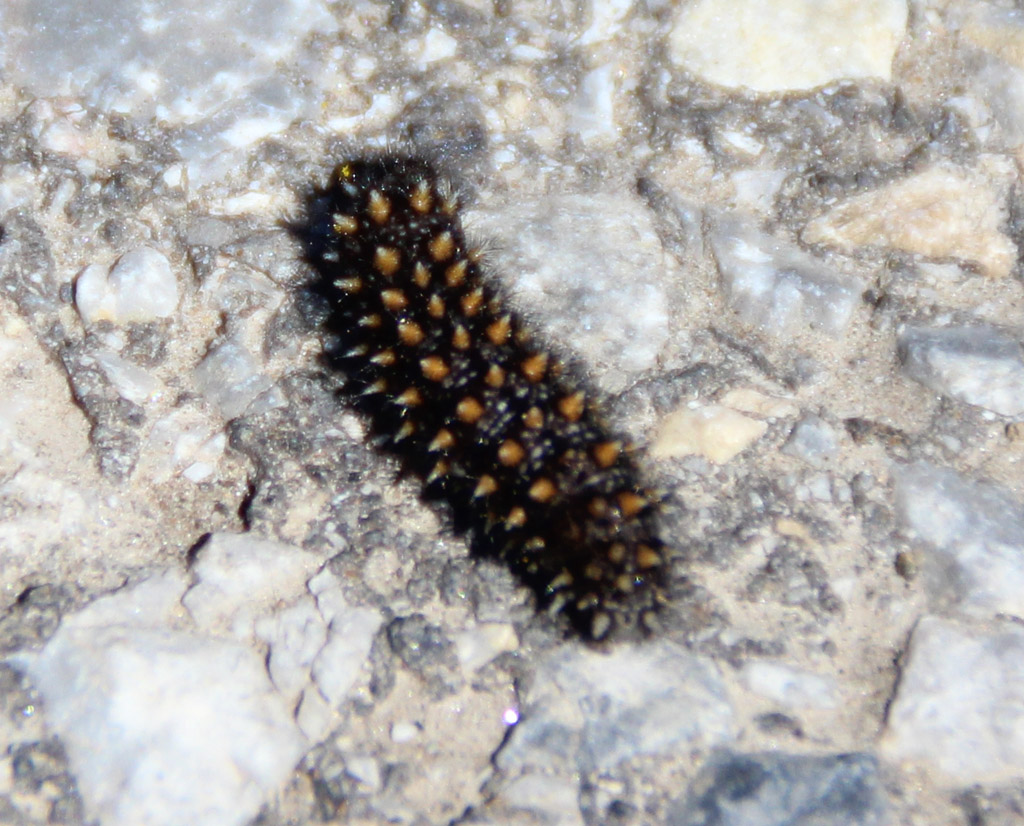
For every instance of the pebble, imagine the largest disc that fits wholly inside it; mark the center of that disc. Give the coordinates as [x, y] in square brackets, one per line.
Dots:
[146, 711]
[213, 74]
[789, 44]
[814, 441]
[294, 634]
[230, 379]
[938, 212]
[775, 285]
[240, 576]
[129, 380]
[606, 19]
[141, 286]
[593, 115]
[778, 788]
[975, 531]
[717, 433]
[978, 365]
[959, 706]
[404, 732]
[654, 698]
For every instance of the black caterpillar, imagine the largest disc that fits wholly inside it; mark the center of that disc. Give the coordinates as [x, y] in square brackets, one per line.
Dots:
[456, 385]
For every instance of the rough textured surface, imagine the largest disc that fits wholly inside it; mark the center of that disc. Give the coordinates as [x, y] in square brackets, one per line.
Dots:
[796, 282]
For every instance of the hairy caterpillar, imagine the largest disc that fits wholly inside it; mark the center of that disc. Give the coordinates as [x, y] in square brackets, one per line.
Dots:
[467, 396]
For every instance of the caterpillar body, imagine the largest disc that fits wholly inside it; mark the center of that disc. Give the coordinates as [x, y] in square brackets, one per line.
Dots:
[456, 385]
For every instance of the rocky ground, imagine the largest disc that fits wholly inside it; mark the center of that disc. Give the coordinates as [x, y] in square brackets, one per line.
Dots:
[782, 238]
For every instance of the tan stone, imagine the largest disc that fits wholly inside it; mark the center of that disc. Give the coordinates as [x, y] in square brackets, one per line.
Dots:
[715, 432]
[940, 212]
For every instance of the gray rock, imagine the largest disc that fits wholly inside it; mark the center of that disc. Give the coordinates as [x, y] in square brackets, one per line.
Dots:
[43, 766]
[784, 790]
[424, 649]
[230, 378]
[976, 531]
[27, 275]
[776, 285]
[592, 710]
[115, 420]
[978, 365]
[814, 441]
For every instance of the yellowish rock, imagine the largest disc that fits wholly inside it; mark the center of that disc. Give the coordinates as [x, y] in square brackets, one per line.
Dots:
[746, 400]
[715, 432]
[940, 212]
[793, 529]
[787, 44]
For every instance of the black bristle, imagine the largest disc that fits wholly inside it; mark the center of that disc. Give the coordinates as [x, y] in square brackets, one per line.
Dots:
[473, 402]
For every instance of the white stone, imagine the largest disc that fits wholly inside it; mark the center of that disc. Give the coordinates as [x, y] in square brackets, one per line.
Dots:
[976, 533]
[351, 630]
[294, 635]
[141, 286]
[198, 472]
[939, 212]
[589, 269]
[365, 769]
[239, 576]
[594, 111]
[16, 189]
[978, 365]
[162, 726]
[404, 732]
[788, 44]
[717, 433]
[997, 35]
[542, 798]
[131, 381]
[755, 190]
[433, 46]
[788, 686]
[606, 17]
[777, 286]
[314, 715]
[959, 706]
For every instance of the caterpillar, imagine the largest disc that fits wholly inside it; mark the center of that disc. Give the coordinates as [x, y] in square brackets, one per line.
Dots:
[456, 385]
